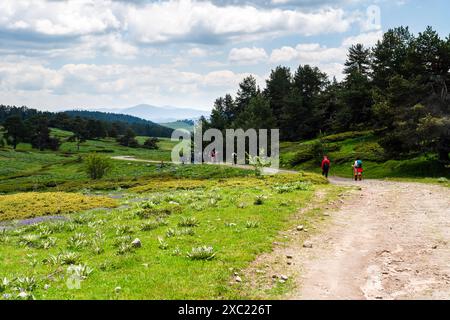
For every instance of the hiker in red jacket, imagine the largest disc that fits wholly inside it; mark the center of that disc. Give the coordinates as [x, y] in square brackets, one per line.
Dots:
[326, 164]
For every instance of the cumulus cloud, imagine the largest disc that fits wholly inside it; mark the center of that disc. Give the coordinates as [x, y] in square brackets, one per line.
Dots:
[121, 52]
[308, 54]
[198, 52]
[368, 39]
[166, 21]
[247, 55]
[58, 18]
[129, 84]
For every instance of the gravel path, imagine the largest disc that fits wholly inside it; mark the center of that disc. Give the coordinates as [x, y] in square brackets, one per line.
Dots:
[389, 240]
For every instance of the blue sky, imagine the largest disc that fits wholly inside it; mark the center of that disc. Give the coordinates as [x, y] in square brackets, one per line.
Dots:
[57, 55]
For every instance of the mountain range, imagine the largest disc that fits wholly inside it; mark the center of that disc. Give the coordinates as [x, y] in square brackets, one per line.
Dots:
[159, 114]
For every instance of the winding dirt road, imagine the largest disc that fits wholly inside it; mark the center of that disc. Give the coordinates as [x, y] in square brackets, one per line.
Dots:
[389, 240]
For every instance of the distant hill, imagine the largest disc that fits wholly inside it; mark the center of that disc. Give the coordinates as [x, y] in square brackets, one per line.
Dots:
[180, 124]
[137, 124]
[159, 114]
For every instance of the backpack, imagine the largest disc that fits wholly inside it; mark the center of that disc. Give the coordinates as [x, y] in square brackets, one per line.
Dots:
[359, 164]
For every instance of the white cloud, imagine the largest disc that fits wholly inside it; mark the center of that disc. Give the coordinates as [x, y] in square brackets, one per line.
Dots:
[208, 22]
[367, 39]
[58, 18]
[76, 52]
[311, 53]
[198, 53]
[118, 83]
[247, 55]
[165, 21]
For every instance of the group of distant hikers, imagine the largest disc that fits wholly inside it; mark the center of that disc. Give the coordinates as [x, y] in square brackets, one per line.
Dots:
[357, 168]
[213, 157]
[326, 164]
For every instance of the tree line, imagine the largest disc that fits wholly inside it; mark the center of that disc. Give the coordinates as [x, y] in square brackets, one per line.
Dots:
[21, 124]
[399, 88]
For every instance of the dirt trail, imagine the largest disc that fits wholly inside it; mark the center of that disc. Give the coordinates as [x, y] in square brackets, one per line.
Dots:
[389, 240]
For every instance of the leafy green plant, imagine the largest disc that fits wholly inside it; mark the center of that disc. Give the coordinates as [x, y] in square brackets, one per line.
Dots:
[124, 229]
[30, 240]
[80, 271]
[97, 166]
[177, 252]
[259, 200]
[171, 233]
[68, 258]
[202, 253]
[4, 236]
[259, 162]
[122, 240]
[77, 241]
[149, 225]
[163, 245]
[25, 284]
[4, 284]
[48, 243]
[252, 224]
[293, 186]
[97, 247]
[188, 222]
[124, 248]
[80, 219]
[44, 231]
[185, 232]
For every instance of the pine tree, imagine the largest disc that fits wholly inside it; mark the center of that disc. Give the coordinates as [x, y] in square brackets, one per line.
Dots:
[278, 88]
[15, 130]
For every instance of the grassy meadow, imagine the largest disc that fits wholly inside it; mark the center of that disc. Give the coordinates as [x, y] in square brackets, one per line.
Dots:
[192, 240]
[196, 225]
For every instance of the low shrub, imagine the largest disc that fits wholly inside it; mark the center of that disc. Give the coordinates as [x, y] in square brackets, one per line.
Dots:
[151, 143]
[307, 152]
[345, 135]
[97, 166]
[371, 151]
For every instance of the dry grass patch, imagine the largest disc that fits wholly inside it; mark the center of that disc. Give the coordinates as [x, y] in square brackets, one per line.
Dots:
[34, 204]
[171, 184]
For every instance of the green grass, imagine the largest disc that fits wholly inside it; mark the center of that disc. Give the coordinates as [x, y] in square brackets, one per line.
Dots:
[159, 269]
[32, 172]
[27, 169]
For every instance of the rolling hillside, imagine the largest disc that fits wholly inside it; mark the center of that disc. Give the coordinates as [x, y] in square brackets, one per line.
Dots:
[345, 147]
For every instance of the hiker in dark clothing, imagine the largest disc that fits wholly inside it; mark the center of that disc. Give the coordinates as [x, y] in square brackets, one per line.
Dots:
[326, 164]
